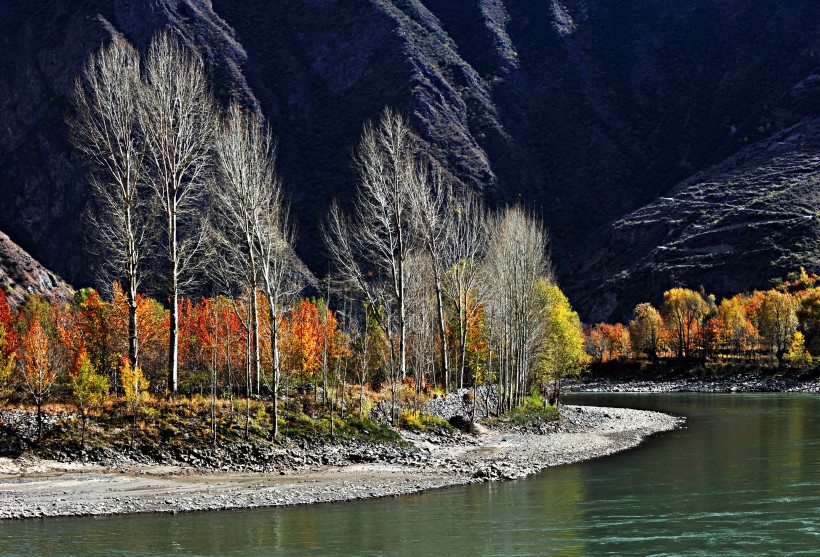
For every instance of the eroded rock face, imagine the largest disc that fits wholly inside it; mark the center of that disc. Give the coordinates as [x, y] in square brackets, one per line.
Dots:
[585, 110]
[21, 275]
[738, 225]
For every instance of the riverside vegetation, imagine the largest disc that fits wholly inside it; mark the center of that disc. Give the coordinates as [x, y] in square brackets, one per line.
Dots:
[429, 291]
[771, 332]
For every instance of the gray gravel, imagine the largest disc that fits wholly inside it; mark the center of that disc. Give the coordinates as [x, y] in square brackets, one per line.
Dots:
[31, 487]
[746, 383]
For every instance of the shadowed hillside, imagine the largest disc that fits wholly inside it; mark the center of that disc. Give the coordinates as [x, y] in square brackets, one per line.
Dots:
[584, 110]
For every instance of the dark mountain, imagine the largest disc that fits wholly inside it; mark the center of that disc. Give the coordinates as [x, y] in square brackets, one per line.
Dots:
[593, 112]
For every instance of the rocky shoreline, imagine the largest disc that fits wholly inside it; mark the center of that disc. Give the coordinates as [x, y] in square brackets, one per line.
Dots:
[748, 383]
[305, 474]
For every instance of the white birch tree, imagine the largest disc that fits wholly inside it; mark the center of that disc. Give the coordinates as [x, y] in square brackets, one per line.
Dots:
[370, 248]
[107, 128]
[180, 116]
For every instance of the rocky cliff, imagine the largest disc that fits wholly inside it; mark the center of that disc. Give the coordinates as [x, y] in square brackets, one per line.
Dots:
[592, 112]
[21, 275]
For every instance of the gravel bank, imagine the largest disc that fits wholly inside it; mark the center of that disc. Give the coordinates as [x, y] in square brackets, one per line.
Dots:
[44, 488]
[750, 383]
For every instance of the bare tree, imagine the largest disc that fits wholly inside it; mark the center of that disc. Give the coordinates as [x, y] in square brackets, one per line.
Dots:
[229, 272]
[108, 130]
[256, 226]
[515, 263]
[371, 247]
[464, 246]
[276, 236]
[245, 177]
[432, 217]
[180, 117]
[422, 320]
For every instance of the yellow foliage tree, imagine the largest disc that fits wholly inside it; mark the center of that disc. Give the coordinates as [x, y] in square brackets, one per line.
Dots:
[646, 330]
[797, 355]
[135, 388]
[778, 321]
[89, 389]
[563, 352]
[683, 312]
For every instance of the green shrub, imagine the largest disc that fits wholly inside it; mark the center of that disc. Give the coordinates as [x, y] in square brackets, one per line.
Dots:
[369, 429]
[423, 422]
[533, 410]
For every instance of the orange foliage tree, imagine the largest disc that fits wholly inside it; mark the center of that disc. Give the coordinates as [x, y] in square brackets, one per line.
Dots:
[606, 342]
[8, 346]
[595, 342]
[311, 340]
[38, 356]
[302, 337]
[152, 329]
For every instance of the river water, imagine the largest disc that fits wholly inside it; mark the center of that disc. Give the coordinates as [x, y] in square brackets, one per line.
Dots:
[742, 478]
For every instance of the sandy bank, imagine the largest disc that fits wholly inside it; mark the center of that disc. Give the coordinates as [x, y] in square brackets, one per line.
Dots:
[40, 488]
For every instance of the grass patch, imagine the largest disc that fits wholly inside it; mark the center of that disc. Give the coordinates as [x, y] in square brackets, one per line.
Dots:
[533, 410]
[423, 422]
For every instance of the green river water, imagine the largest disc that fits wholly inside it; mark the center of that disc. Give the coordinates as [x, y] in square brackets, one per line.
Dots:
[742, 478]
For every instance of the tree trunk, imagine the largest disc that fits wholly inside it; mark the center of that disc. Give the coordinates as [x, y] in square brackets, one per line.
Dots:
[173, 331]
[248, 388]
[82, 435]
[39, 421]
[133, 339]
[274, 342]
[257, 366]
[445, 355]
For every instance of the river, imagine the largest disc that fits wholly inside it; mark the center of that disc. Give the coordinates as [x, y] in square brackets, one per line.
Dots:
[742, 478]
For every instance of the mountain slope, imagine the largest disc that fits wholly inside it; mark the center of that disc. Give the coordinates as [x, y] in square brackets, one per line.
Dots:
[749, 219]
[21, 275]
[585, 110]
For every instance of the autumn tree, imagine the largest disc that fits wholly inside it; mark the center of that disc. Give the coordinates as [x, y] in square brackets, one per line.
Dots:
[179, 118]
[595, 343]
[369, 349]
[152, 320]
[683, 310]
[465, 245]
[135, 391]
[424, 328]
[211, 329]
[606, 342]
[88, 388]
[302, 339]
[646, 330]
[276, 236]
[808, 316]
[108, 129]
[93, 323]
[797, 354]
[777, 321]
[562, 348]
[736, 331]
[38, 356]
[246, 187]
[7, 348]
[431, 206]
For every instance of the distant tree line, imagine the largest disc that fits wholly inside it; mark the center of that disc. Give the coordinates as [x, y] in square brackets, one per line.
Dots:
[777, 326]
